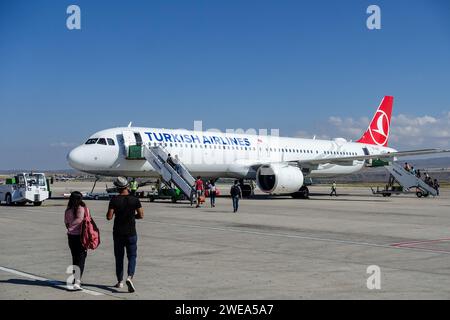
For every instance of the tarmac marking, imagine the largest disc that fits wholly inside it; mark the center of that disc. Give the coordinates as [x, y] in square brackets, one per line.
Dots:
[54, 283]
[417, 244]
[293, 236]
[413, 243]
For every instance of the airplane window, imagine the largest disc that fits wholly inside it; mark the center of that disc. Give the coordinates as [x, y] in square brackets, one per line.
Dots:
[111, 142]
[91, 141]
[101, 141]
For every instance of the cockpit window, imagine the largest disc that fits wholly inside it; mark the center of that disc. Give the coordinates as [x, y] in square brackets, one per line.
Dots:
[101, 141]
[92, 141]
[111, 142]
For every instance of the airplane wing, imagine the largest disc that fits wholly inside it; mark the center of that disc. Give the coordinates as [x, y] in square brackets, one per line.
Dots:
[349, 160]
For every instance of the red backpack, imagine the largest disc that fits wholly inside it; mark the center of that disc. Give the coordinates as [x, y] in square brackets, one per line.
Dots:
[90, 234]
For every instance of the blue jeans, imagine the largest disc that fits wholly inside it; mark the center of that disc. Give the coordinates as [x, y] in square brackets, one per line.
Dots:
[120, 244]
[235, 203]
[212, 195]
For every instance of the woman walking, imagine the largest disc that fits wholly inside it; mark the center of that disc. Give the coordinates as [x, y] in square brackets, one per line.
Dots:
[73, 220]
[212, 192]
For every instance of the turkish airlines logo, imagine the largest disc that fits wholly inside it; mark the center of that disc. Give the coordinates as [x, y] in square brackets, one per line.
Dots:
[379, 128]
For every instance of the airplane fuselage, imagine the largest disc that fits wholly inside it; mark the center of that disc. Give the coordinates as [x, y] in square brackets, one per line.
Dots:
[214, 154]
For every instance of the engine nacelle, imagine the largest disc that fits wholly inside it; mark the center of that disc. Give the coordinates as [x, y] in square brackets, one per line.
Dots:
[279, 178]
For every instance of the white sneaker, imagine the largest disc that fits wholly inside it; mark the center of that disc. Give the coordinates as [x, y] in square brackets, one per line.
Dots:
[119, 285]
[130, 285]
[77, 286]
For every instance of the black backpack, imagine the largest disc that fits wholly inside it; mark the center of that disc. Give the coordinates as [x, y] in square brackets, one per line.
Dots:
[234, 191]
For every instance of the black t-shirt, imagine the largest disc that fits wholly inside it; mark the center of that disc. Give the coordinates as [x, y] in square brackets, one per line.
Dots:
[125, 211]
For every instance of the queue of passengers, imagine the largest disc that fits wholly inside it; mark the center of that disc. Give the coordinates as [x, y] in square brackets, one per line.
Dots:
[427, 179]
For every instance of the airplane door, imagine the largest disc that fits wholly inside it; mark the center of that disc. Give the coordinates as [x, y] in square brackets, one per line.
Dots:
[367, 162]
[128, 140]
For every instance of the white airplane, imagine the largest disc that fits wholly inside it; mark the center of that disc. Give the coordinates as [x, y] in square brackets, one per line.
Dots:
[278, 164]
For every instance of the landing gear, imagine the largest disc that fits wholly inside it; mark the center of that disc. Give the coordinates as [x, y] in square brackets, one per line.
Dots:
[95, 182]
[303, 193]
[247, 188]
[37, 203]
[8, 200]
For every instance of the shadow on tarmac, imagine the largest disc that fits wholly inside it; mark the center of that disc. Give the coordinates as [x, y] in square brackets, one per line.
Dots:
[60, 285]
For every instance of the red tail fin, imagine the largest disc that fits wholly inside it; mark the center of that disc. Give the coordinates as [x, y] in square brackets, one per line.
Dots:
[378, 131]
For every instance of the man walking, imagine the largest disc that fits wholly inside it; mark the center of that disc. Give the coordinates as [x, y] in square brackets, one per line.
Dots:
[436, 186]
[126, 209]
[236, 194]
[199, 189]
[333, 189]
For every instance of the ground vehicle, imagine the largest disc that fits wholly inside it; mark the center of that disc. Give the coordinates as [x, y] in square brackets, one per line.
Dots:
[166, 193]
[25, 188]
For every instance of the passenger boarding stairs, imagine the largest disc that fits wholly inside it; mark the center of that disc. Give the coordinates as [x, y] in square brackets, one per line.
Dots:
[157, 157]
[408, 180]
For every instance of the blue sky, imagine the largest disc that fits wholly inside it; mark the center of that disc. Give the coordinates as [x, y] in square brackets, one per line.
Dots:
[305, 67]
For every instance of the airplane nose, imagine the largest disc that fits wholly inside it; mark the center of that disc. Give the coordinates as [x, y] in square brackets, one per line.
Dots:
[75, 158]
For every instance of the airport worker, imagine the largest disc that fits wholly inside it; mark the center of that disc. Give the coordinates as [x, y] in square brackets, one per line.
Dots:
[198, 189]
[158, 184]
[333, 189]
[212, 193]
[436, 185]
[73, 219]
[126, 209]
[236, 194]
[134, 187]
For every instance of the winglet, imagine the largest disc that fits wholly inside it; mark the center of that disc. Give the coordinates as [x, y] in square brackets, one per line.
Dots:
[379, 127]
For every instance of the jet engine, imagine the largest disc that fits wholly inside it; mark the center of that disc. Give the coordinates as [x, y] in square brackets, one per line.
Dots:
[279, 178]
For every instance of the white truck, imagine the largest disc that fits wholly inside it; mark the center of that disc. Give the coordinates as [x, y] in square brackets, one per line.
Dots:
[25, 188]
